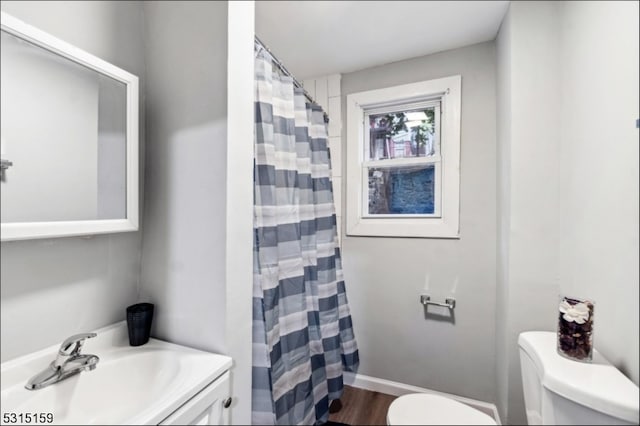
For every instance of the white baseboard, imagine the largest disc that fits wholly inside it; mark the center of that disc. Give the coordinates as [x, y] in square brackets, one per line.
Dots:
[398, 389]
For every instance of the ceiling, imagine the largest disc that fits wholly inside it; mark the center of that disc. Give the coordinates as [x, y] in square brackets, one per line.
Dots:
[314, 38]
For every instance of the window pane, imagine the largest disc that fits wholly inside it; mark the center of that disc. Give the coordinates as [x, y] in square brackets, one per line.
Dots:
[402, 190]
[402, 134]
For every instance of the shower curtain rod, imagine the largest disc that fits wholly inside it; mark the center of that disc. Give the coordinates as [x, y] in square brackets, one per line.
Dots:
[282, 68]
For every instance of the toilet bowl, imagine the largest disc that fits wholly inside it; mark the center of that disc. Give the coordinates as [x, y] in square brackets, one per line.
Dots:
[428, 409]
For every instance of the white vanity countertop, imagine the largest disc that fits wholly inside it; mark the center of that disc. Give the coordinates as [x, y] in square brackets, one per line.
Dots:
[131, 385]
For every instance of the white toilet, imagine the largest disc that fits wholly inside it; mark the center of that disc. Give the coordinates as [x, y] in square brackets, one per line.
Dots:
[428, 409]
[559, 391]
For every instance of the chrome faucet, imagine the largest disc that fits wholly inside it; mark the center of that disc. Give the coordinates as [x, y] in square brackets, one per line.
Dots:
[68, 362]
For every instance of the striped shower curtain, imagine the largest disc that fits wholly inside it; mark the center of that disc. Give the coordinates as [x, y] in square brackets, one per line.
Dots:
[302, 333]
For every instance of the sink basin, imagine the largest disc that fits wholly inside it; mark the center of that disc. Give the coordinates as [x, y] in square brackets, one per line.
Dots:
[131, 385]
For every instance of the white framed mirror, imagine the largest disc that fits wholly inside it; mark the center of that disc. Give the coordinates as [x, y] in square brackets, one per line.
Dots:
[69, 146]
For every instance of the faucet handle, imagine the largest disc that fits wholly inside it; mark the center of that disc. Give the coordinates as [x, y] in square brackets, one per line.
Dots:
[77, 340]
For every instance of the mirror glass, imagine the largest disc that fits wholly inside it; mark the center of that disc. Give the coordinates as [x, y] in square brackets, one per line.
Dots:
[64, 128]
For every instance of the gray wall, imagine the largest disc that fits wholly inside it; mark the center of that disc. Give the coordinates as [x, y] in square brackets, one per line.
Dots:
[503, 155]
[53, 288]
[599, 181]
[183, 267]
[385, 276]
[568, 189]
[197, 249]
[57, 287]
[528, 148]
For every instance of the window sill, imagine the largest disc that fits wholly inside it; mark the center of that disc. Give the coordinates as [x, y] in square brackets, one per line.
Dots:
[402, 228]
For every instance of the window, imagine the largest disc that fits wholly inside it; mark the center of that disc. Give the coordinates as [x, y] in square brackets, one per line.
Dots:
[403, 157]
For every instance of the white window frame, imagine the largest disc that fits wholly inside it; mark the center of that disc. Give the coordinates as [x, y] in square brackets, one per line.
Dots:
[434, 159]
[444, 222]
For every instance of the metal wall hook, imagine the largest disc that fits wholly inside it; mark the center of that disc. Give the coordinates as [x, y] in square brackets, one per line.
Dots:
[5, 164]
[449, 302]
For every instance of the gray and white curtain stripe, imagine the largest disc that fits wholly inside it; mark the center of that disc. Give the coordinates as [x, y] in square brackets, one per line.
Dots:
[302, 332]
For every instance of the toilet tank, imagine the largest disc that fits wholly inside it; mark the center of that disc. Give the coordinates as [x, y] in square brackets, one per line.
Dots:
[561, 391]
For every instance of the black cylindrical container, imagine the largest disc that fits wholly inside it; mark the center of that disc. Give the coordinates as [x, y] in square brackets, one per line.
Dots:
[139, 317]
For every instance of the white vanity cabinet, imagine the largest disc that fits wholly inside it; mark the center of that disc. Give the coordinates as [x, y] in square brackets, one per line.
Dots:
[207, 407]
[156, 383]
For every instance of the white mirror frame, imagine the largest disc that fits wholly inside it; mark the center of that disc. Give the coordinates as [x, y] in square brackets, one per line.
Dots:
[32, 230]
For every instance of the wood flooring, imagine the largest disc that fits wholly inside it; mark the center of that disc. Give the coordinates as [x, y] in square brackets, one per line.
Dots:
[361, 407]
[364, 407]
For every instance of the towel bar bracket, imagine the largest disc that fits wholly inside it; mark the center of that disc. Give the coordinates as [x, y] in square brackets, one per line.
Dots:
[449, 302]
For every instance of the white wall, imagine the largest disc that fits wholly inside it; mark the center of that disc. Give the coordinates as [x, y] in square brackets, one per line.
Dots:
[325, 90]
[568, 178]
[239, 226]
[385, 276]
[599, 179]
[54, 288]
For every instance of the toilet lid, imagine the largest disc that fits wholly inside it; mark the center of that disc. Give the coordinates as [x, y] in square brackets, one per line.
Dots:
[427, 409]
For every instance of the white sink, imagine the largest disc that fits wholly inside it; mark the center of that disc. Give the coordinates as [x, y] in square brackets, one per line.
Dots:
[131, 385]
